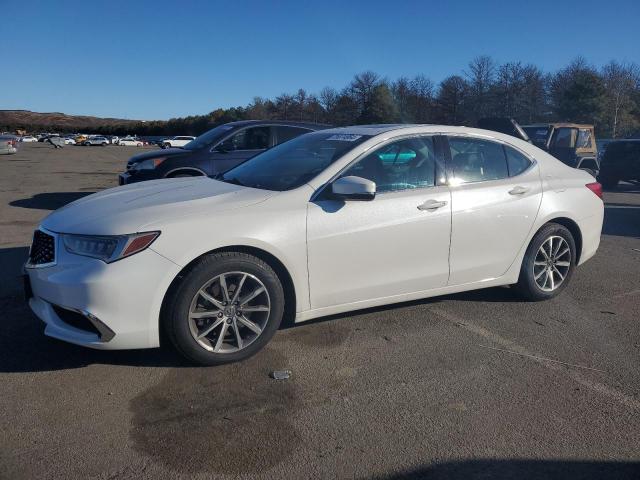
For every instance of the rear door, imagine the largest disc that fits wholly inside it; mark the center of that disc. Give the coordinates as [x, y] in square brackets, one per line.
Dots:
[284, 133]
[495, 196]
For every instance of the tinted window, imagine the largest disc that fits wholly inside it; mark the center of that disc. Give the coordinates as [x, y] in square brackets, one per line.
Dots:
[405, 164]
[291, 164]
[287, 133]
[562, 137]
[516, 161]
[256, 138]
[476, 160]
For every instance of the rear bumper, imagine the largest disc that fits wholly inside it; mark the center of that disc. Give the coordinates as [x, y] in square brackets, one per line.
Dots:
[105, 306]
[591, 229]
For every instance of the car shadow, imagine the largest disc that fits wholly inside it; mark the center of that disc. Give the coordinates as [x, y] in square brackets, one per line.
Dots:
[11, 261]
[25, 348]
[500, 469]
[49, 201]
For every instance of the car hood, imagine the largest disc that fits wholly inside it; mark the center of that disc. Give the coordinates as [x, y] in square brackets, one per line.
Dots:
[150, 205]
[167, 152]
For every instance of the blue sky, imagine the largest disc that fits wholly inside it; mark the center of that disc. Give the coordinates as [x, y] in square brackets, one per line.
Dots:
[160, 59]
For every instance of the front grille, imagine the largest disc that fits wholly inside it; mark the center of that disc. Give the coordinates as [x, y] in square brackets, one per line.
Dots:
[43, 248]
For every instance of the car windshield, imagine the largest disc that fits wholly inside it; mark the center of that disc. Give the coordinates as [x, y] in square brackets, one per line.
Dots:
[537, 134]
[208, 138]
[293, 163]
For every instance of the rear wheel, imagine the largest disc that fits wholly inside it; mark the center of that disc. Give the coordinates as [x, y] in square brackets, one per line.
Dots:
[548, 264]
[226, 308]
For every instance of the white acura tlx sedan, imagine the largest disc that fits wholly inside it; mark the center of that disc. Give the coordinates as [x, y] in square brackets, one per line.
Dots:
[329, 222]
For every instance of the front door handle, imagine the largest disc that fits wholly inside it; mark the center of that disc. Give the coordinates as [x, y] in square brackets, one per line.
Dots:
[432, 205]
[518, 190]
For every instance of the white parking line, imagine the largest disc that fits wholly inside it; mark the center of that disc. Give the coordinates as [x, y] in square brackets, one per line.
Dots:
[554, 365]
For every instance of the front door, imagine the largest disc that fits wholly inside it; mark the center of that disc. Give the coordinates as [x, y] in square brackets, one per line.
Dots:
[395, 244]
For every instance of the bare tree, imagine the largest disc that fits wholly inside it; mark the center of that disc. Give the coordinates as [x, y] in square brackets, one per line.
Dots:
[283, 105]
[621, 82]
[480, 78]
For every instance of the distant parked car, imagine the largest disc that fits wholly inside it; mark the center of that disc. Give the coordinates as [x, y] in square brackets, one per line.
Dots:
[43, 137]
[621, 161]
[8, 144]
[28, 139]
[91, 141]
[130, 142]
[69, 141]
[215, 151]
[176, 142]
[573, 144]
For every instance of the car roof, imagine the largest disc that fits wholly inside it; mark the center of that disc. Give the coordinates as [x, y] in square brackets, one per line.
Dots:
[289, 123]
[559, 125]
[375, 129]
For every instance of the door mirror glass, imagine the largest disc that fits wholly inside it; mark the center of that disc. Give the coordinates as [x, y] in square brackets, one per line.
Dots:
[354, 188]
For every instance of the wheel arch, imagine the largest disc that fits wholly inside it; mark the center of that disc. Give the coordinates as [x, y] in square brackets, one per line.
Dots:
[278, 266]
[573, 227]
[196, 172]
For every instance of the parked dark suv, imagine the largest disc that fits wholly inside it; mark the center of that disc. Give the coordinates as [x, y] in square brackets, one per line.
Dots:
[621, 161]
[215, 151]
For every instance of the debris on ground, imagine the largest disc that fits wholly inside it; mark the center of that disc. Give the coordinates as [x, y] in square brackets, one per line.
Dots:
[280, 374]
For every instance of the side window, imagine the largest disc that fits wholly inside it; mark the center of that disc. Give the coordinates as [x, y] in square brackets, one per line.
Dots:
[584, 138]
[477, 160]
[516, 161]
[287, 133]
[401, 165]
[562, 137]
[256, 138]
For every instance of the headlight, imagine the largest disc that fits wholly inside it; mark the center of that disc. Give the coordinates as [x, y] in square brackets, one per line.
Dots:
[148, 164]
[108, 248]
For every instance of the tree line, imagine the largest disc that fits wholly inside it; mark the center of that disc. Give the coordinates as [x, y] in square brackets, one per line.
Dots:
[608, 97]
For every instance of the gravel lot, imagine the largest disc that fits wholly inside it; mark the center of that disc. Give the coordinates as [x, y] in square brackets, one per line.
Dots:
[475, 385]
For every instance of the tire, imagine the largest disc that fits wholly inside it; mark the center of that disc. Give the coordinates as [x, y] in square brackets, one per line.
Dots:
[186, 298]
[528, 287]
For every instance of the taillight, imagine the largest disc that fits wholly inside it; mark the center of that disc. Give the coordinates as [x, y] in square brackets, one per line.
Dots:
[596, 188]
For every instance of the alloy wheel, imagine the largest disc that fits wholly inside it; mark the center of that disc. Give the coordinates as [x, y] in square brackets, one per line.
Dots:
[552, 263]
[229, 312]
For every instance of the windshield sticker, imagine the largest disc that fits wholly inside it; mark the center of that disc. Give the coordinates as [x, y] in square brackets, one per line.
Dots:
[344, 137]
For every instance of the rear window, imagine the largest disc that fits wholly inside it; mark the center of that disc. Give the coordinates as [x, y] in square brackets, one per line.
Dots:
[584, 138]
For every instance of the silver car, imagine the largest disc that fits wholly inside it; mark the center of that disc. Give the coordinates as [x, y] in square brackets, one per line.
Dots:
[8, 144]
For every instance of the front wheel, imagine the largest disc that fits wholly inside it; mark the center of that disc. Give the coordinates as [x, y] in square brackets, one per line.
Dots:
[548, 264]
[225, 309]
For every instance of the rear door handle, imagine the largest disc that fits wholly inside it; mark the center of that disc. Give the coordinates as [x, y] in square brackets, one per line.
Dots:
[518, 190]
[432, 205]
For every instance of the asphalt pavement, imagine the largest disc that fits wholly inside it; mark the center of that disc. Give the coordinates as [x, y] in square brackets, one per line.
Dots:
[467, 386]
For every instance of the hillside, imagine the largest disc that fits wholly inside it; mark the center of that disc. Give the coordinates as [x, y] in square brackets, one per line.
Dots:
[35, 121]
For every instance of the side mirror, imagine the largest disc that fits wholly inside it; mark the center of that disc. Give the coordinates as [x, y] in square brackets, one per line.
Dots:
[354, 188]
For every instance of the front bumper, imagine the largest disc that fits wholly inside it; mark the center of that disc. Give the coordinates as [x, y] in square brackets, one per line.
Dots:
[120, 301]
[134, 176]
